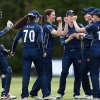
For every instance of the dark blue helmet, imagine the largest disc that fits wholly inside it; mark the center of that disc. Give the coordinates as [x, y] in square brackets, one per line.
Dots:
[70, 12]
[95, 12]
[34, 13]
[89, 10]
[0, 13]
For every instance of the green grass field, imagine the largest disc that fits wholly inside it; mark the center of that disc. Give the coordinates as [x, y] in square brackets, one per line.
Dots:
[16, 87]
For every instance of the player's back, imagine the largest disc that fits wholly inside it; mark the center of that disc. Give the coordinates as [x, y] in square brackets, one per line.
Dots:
[32, 34]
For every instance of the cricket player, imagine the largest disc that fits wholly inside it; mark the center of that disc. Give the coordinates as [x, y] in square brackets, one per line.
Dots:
[95, 48]
[72, 54]
[4, 67]
[86, 63]
[32, 51]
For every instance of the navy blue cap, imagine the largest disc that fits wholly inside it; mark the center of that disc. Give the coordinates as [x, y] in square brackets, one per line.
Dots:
[70, 12]
[91, 13]
[84, 12]
[89, 10]
[96, 12]
[34, 13]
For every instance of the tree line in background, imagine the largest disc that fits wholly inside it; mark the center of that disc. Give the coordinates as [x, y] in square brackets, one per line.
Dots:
[15, 9]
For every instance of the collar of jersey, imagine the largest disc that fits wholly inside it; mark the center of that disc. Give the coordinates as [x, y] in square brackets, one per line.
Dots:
[48, 23]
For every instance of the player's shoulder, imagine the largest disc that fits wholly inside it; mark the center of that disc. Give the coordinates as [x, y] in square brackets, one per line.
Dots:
[37, 25]
[89, 25]
[54, 26]
[47, 26]
[80, 25]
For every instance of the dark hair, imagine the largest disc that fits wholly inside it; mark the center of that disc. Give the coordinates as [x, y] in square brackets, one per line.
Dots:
[22, 22]
[47, 12]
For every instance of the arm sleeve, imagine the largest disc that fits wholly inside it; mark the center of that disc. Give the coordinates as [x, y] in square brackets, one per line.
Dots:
[3, 32]
[40, 38]
[88, 36]
[19, 34]
[80, 25]
[89, 27]
[62, 41]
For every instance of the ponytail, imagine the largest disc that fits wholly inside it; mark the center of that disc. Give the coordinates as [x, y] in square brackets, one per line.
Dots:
[20, 23]
[43, 20]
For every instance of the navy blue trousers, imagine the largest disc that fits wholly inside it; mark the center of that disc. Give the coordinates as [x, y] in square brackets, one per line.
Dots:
[35, 55]
[70, 57]
[3, 67]
[84, 69]
[95, 64]
[48, 70]
[3, 63]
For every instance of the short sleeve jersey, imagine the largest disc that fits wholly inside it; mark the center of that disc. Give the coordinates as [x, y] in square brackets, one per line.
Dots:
[74, 43]
[49, 39]
[95, 28]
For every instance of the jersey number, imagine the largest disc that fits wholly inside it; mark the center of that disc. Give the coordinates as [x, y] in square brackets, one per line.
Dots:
[31, 35]
[98, 35]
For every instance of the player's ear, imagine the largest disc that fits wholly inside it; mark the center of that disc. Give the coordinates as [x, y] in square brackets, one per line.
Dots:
[47, 16]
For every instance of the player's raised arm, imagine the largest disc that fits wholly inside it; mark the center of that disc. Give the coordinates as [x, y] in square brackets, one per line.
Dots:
[9, 26]
[77, 28]
[65, 32]
[59, 30]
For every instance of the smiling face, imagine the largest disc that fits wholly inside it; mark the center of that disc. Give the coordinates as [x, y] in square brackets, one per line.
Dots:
[51, 17]
[70, 17]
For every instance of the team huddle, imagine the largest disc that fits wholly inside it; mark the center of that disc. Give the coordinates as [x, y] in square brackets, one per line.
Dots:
[38, 44]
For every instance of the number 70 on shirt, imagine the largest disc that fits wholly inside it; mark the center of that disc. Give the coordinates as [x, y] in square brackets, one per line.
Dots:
[31, 35]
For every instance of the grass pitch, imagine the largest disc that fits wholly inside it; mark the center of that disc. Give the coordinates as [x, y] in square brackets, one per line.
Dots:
[16, 87]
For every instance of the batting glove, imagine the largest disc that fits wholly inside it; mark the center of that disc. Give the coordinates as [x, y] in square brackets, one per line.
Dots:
[5, 51]
[9, 24]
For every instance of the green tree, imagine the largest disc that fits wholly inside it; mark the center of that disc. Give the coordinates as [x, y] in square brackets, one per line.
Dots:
[15, 9]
